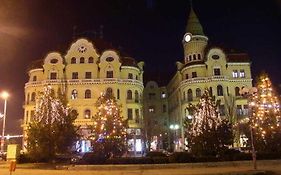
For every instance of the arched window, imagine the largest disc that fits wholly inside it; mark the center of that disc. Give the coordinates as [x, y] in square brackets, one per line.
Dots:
[129, 95]
[199, 56]
[118, 94]
[109, 92]
[198, 92]
[82, 60]
[237, 91]
[219, 90]
[136, 96]
[74, 94]
[73, 60]
[34, 78]
[91, 60]
[189, 58]
[194, 57]
[27, 98]
[33, 96]
[87, 114]
[88, 93]
[189, 95]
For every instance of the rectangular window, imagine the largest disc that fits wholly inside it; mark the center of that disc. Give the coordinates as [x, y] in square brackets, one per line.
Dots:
[130, 76]
[31, 115]
[194, 74]
[130, 114]
[217, 71]
[53, 75]
[151, 109]
[239, 110]
[137, 115]
[186, 76]
[88, 75]
[246, 110]
[242, 73]
[74, 75]
[151, 96]
[164, 108]
[109, 74]
[235, 74]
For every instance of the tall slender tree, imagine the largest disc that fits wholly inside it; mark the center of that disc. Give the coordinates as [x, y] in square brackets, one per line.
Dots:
[109, 129]
[266, 116]
[52, 129]
[207, 132]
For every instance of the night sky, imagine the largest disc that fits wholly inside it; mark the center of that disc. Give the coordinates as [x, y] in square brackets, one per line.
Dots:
[148, 30]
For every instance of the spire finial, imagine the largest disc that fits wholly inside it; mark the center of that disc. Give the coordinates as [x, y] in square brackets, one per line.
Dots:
[191, 4]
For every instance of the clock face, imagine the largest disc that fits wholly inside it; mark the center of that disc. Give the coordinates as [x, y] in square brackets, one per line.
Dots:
[187, 37]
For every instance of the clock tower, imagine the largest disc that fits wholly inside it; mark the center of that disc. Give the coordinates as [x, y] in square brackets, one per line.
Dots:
[194, 40]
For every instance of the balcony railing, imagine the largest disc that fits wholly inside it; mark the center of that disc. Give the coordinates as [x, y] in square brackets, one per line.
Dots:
[94, 81]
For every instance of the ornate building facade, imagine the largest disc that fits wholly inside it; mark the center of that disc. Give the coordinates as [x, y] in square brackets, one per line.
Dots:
[83, 74]
[205, 66]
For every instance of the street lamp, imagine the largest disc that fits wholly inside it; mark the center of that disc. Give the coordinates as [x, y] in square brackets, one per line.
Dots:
[248, 93]
[5, 96]
[174, 127]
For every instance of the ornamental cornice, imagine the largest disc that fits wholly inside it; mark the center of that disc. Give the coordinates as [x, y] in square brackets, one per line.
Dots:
[85, 82]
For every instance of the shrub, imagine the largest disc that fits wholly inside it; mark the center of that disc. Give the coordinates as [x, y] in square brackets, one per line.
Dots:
[268, 155]
[181, 157]
[242, 156]
[160, 160]
[155, 154]
[92, 158]
[206, 159]
[24, 158]
[130, 160]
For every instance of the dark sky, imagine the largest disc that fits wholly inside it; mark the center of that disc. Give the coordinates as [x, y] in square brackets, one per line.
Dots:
[148, 30]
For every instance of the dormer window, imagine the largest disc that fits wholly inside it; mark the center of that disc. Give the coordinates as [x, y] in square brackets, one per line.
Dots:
[194, 74]
[82, 60]
[217, 71]
[109, 59]
[242, 73]
[130, 76]
[109, 74]
[73, 60]
[91, 60]
[34, 78]
[53, 75]
[235, 74]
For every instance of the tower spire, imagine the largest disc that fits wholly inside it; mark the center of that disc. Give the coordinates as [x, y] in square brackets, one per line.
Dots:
[193, 24]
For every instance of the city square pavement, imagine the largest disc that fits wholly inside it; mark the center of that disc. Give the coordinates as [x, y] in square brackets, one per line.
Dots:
[181, 170]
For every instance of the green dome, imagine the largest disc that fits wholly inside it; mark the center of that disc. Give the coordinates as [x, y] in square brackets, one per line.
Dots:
[193, 25]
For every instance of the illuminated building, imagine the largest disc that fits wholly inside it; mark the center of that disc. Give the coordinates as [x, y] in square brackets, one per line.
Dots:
[83, 74]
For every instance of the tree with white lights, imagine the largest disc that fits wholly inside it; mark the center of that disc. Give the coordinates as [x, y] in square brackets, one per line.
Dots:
[109, 130]
[51, 131]
[207, 132]
[266, 117]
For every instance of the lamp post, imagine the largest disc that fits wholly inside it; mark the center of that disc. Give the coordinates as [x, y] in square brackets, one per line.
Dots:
[174, 127]
[5, 96]
[248, 93]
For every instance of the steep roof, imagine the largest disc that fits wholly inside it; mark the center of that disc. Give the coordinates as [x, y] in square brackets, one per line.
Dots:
[193, 24]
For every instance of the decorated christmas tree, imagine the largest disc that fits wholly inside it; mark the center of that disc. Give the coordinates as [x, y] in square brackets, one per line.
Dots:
[109, 130]
[207, 132]
[51, 130]
[266, 118]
